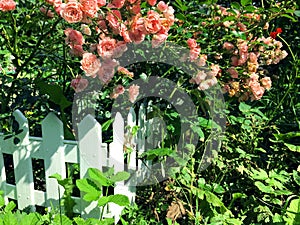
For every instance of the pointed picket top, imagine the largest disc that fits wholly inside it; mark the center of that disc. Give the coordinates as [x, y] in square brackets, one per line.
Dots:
[23, 125]
[89, 125]
[53, 128]
[118, 129]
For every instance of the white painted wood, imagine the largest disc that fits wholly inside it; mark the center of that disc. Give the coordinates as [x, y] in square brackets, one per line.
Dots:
[23, 166]
[54, 156]
[90, 149]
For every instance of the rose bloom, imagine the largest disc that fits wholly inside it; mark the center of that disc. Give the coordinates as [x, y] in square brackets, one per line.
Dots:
[162, 6]
[202, 60]
[47, 12]
[133, 92]
[137, 30]
[74, 37]
[266, 82]
[136, 8]
[71, 12]
[106, 47]
[76, 50]
[169, 15]
[120, 48]
[90, 64]
[101, 3]
[124, 33]
[257, 91]
[152, 22]
[192, 43]
[107, 70]
[241, 26]
[89, 7]
[118, 90]
[116, 4]
[201, 75]
[7, 5]
[228, 45]
[79, 84]
[124, 71]
[234, 60]
[85, 29]
[113, 17]
[233, 73]
[158, 39]
[151, 2]
[194, 53]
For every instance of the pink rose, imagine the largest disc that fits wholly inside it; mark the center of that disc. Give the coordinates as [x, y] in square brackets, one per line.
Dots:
[76, 50]
[47, 12]
[162, 6]
[89, 7]
[106, 47]
[252, 57]
[116, 4]
[118, 90]
[266, 82]
[7, 5]
[194, 53]
[136, 8]
[158, 39]
[133, 92]
[79, 84]
[192, 43]
[234, 60]
[85, 29]
[90, 64]
[233, 73]
[124, 71]
[71, 12]
[201, 76]
[113, 17]
[107, 70]
[257, 91]
[124, 33]
[228, 46]
[137, 30]
[151, 2]
[120, 48]
[74, 37]
[202, 60]
[101, 3]
[241, 26]
[152, 22]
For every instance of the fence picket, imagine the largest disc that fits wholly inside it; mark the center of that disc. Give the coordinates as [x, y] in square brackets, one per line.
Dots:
[23, 165]
[52, 145]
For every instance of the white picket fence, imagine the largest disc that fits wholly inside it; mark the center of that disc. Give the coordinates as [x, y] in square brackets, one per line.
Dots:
[89, 151]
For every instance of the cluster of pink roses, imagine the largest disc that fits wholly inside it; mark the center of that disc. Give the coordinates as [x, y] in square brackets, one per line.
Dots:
[7, 5]
[116, 23]
[241, 75]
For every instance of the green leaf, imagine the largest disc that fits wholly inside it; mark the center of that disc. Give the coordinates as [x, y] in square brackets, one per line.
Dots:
[289, 16]
[293, 213]
[199, 131]
[297, 13]
[259, 174]
[87, 186]
[121, 200]
[103, 201]
[61, 219]
[158, 152]
[263, 188]
[123, 175]
[294, 148]
[107, 124]
[96, 175]
[235, 5]
[296, 177]
[55, 93]
[243, 107]
[9, 207]
[246, 2]
[213, 199]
